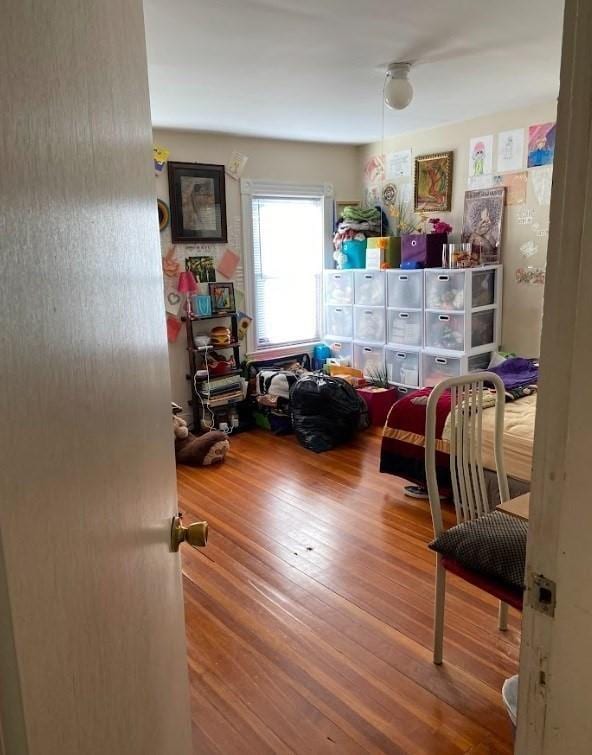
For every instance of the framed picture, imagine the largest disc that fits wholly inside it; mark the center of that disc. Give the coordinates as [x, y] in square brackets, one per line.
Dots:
[433, 183]
[197, 196]
[222, 295]
[202, 267]
[163, 214]
[482, 224]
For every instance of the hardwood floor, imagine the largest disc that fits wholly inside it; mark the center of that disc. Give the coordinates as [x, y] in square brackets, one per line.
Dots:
[309, 613]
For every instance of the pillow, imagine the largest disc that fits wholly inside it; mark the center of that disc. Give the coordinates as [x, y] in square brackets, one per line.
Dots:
[492, 546]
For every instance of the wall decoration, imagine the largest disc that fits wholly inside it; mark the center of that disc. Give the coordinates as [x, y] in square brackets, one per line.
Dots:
[244, 322]
[372, 196]
[236, 164]
[389, 195]
[160, 156]
[197, 195]
[433, 182]
[398, 164]
[539, 231]
[541, 144]
[482, 222]
[222, 295]
[481, 156]
[525, 216]
[163, 214]
[170, 265]
[173, 327]
[529, 249]
[515, 184]
[510, 150]
[228, 263]
[531, 276]
[202, 268]
[480, 182]
[541, 180]
[374, 169]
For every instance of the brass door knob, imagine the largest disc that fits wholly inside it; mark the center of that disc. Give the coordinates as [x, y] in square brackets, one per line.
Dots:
[195, 534]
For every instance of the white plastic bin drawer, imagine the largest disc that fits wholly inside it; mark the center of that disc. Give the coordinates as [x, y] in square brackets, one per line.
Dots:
[445, 289]
[445, 331]
[369, 324]
[368, 358]
[404, 328]
[402, 367]
[438, 368]
[342, 351]
[339, 287]
[405, 289]
[339, 321]
[483, 288]
[483, 328]
[369, 288]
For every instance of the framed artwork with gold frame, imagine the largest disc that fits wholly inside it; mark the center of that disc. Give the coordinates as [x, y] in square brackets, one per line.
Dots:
[433, 182]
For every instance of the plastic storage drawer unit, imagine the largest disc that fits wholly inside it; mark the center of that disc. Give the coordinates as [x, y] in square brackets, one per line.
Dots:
[369, 324]
[405, 289]
[369, 288]
[339, 287]
[339, 321]
[404, 328]
[402, 367]
[445, 290]
[445, 331]
[368, 357]
[436, 368]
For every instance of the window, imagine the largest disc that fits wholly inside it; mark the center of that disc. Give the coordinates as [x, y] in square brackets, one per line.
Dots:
[289, 236]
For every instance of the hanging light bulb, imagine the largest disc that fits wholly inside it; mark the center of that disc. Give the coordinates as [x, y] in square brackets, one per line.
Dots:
[398, 92]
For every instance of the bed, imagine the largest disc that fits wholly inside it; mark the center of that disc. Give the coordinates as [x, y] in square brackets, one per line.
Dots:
[402, 450]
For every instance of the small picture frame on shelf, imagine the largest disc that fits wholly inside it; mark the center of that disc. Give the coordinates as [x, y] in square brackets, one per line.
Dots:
[201, 305]
[222, 296]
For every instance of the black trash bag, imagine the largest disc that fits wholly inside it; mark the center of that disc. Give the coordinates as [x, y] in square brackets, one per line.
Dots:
[326, 411]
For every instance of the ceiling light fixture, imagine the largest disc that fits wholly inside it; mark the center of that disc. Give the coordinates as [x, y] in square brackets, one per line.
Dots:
[398, 91]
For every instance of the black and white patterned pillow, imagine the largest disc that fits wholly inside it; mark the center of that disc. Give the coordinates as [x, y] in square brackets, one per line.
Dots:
[492, 546]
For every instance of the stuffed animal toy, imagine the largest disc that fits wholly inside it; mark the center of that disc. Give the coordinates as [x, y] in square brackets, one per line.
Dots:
[201, 451]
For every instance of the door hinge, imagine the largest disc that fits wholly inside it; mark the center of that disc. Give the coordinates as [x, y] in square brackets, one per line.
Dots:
[543, 594]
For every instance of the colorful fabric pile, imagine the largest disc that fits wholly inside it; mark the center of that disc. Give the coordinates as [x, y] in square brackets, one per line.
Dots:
[358, 223]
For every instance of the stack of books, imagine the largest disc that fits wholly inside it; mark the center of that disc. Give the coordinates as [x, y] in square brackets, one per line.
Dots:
[221, 391]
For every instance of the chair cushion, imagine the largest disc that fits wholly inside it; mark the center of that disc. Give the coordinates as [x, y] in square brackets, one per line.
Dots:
[493, 546]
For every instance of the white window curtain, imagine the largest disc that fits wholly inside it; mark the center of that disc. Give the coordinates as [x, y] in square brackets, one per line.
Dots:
[288, 244]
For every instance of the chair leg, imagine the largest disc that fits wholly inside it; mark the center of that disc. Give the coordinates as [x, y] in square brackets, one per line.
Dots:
[503, 616]
[439, 610]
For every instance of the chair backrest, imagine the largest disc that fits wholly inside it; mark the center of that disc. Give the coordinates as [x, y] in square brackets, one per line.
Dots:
[467, 397]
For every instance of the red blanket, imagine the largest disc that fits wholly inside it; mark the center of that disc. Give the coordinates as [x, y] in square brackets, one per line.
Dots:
[403, 439]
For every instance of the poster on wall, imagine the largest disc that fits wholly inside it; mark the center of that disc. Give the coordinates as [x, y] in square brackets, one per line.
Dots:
[202, 268]
[510, 150]
[481, 156]
[541, 180]
[541, 144]
[515, 184]
[482, 223]
[374, 169]
[398, 164]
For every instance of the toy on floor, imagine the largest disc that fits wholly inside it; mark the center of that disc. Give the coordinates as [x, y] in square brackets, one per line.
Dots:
[194, 451]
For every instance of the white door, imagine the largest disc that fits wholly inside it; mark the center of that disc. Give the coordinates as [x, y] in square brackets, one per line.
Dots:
[92, 645]
[556, 662]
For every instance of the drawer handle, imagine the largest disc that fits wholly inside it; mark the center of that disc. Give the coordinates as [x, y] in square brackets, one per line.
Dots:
[443, 318]
[403, 277]
[367, 349]
[337, 277]
[441, 360]
[368, 312]
[368, 276]
[403, 390]
[404, 315]
[338, 309]
[443, 277]
[401, 355]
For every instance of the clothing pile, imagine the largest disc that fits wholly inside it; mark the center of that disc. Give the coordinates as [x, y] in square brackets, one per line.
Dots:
[272, 396]
[520, 376]
[358, 223]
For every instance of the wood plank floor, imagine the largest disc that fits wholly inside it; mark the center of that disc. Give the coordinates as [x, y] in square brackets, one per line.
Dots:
[309, 614]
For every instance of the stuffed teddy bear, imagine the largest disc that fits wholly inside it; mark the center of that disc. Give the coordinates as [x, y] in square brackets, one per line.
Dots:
[201, 451]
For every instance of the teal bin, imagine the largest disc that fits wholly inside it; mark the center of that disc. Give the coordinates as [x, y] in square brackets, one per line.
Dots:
[355, 253]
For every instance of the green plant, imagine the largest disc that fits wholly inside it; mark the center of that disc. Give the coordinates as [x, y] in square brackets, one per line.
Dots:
[402, 219]
[378, 377]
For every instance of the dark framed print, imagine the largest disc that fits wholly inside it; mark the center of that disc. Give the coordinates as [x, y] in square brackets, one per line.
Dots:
[222, 295]
[197, 196]
[433, 183]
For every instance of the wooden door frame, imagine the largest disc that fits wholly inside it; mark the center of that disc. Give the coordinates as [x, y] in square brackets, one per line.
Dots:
[554, 675]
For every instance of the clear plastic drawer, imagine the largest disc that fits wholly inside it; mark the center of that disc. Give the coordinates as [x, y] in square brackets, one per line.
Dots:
[368, 358]
[369, 288]
[342, 351]
[339, 287]
[445, 331]
[369, 324]
[402, 367]
[404, 328]
[483, 328]
[483, 288]
[445, 290]
[339, 321]
[437, 368]
[405, 289]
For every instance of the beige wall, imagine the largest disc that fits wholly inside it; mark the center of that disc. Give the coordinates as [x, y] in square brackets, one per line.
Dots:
[522, 311]
[298, 162]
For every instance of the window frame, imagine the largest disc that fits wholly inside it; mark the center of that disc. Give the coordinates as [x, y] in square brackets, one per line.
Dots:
[253, 188]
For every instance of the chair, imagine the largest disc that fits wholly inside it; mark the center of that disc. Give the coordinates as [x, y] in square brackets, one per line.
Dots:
[469, 490]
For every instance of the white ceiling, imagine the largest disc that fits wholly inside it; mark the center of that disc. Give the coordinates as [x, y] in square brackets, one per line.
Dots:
[313, 69]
